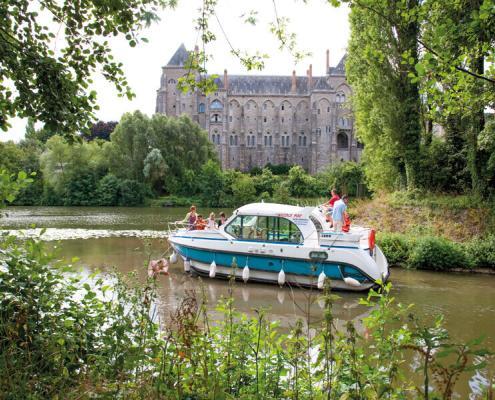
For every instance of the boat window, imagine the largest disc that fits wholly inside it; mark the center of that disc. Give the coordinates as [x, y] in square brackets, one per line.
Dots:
[317, 223]
[265, 229]
[235, 227]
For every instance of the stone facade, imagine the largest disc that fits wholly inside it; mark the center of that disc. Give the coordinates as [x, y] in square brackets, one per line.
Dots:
[256, 120]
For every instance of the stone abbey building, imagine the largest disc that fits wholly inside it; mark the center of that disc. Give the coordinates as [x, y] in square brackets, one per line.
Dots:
[256, 120]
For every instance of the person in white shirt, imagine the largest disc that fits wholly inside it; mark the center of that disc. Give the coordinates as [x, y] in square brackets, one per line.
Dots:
[339, 208]
[211, 224]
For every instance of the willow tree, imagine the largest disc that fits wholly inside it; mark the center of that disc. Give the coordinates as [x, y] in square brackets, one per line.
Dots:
[385, 99]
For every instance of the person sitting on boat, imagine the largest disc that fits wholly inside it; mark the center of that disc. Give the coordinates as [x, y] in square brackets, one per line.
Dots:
[346, 227]
[200, 223]
[339, 207]
[222, 219]
[211, 224]
[190, 218]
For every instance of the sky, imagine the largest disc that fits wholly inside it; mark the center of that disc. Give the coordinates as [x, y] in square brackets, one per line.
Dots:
[318, 27]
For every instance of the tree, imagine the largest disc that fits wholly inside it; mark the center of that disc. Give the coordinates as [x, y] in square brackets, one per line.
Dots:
[386, 101]
[101, 130]
[181, 142]
[244, 191]
[211, 184]
[155, 168]
[52, 86]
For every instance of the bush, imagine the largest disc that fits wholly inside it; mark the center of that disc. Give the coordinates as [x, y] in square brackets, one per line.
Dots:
[481, 252]
[346, 177]
[132, 193]
[437, 254]
[396, 247]
[107, 191]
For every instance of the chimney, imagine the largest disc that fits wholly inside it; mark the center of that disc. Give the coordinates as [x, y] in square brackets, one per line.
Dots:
[225, 80]
[293, 88]
[328, 61]
[310, 76]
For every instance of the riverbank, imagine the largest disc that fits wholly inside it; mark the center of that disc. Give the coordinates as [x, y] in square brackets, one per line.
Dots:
[436, 232]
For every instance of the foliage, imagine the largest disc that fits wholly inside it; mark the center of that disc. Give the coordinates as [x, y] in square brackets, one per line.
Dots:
[53, 86]
[132, 193]
[244, 190]
[438, 254]
[385, 100]
[211, 184]
[11, 185]
[481, 252]
[345, 177]
[100, 130]
[108, 191]
[396, 247]
[300, 183]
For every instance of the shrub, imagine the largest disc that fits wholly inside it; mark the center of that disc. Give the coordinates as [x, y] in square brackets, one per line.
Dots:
[131, 193]
[107, 191]
[396, 247]
[481, 252]
[437, 254]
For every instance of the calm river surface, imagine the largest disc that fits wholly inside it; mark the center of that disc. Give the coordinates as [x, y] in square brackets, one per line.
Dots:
[125, 238]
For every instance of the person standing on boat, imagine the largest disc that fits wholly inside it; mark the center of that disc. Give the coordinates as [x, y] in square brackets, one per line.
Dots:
[222, 219]
[339, 208]
[329, 205]
[190, 218]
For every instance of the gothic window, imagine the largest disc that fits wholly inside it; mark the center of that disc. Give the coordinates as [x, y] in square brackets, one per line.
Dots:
[270, 140]
[264, 118]
[253, 140]
[171, 81]
[304, 140]
[266, 140]
[318, 110]
[230, 118]
[341, 121]
[216, 118]
[216, 105]
[342, 141]
[231, 140]
[300, 140]
[264, 106]
[328, 109]
[287, 141]
[249, 140]
[235, 140]
[282, 107]
[342, 98]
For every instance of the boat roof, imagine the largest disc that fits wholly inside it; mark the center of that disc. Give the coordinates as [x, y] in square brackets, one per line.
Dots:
[274, 209]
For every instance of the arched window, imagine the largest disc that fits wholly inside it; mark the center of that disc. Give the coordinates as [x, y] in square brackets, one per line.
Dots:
[231, 140]
[216, 105]
[216, 118]
[342, 141]
[253, 140]
[235, 140]
[171, 81]
[201, 107]
[304, 140]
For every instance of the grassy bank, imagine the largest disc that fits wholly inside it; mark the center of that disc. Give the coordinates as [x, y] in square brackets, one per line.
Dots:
[436, 232]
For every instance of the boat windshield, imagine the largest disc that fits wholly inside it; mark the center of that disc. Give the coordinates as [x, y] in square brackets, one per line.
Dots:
[265, 229]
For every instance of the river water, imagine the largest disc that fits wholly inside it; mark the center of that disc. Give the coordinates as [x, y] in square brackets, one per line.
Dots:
[125, 238]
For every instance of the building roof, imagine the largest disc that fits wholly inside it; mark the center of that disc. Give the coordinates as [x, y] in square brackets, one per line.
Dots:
[340, 68]
[180, 57]
[263, 84]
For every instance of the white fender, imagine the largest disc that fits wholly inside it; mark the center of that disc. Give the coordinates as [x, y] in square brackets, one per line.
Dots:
[245, 274]
[213, 269]
[187, 265]
[352, 282]
[321, 280]
[281, 296]
[173, 258]
[281, 277]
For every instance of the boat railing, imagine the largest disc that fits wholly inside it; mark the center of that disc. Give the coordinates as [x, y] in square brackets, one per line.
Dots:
[174, 226]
